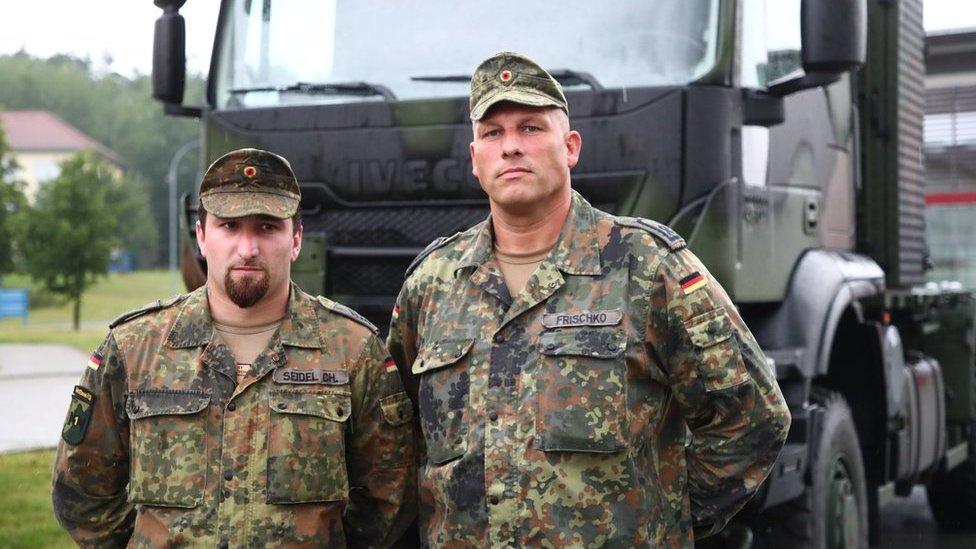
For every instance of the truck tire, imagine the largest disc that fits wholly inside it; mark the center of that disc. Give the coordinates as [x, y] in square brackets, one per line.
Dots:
[952, 495]
[833, 511]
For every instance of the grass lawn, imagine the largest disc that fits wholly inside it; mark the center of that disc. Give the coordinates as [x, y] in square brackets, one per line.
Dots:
[50, 322]
[25, 497]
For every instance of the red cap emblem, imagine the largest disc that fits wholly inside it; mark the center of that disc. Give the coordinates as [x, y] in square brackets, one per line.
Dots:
[250, 171]
[505, 76]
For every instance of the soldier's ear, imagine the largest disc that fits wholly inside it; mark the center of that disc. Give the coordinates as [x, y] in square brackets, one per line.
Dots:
[296, 245]
[201, 239]
[574, 144]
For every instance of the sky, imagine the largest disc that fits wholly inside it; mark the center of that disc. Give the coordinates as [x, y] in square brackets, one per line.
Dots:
[117, 35]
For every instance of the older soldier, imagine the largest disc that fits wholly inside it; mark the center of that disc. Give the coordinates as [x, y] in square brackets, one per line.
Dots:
[246, 413]
[581, 378]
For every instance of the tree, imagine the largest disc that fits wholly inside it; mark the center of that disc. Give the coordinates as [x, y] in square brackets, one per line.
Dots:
[71, 229]
[12, 202]
[115, 110]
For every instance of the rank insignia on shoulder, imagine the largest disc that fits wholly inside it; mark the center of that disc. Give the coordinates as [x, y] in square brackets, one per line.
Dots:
[79, 415]
[95, 361]
[692, 282]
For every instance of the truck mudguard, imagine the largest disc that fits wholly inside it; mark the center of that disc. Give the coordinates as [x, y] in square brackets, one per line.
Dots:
[822, 286]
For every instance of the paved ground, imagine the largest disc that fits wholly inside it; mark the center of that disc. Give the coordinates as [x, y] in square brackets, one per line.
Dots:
[36, 382]
[908, 523]
[35, 387]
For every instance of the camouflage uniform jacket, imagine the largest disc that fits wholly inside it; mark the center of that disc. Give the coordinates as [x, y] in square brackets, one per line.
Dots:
[619, 400]
[314, 448]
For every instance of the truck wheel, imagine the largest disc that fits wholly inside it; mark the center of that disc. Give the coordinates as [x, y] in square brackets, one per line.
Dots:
[833, 511]
[952, 495]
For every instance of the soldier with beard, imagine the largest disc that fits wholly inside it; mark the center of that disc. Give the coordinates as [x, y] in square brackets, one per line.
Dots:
[246, 413]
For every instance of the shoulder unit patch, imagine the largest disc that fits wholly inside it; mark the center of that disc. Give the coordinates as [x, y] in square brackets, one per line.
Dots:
[146, 309]
[662, 232]
[79, 415]
[439, 242]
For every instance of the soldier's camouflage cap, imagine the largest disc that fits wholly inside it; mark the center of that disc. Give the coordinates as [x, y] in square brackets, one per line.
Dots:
[509, 76]
[250, 182]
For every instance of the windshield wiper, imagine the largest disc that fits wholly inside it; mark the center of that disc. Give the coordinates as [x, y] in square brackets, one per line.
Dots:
[566, 77]
[339, 88]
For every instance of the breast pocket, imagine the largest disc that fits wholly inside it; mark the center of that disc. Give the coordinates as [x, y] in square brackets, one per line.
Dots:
[720, 363]
[443, 397]
[581, 391]
[168, 447]
[306, 446]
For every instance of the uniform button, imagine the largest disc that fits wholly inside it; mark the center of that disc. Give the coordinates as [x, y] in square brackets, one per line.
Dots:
[611, 346]
[228, 475]
[231, 407]
[499, 338]
[493, 500]
[274, 358]
[550, 346]
[282, 405]
[493, 415]
[458, 354]
[225, 494]
[340, 411]
[222, 544]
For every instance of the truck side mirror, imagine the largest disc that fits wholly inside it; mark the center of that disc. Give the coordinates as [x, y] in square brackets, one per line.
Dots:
[834, 34]
[169, 59]
[834, 41]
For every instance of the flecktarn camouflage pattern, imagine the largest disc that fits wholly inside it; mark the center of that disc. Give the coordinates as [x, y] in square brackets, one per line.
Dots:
[513, 77]
[559, 417]
[314, 448]
[250, 182]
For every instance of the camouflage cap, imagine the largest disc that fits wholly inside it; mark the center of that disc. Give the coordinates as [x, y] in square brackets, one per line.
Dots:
[249, 182]
[508, 76]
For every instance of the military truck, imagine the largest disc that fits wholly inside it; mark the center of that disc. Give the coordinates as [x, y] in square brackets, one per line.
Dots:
[781, 138]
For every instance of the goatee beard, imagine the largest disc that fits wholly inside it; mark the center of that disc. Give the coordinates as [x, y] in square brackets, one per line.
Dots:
[247, 291]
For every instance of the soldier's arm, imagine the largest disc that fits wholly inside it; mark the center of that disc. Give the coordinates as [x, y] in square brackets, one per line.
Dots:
[726, 391]
[402, 339]
[380, 458]
[91, 469]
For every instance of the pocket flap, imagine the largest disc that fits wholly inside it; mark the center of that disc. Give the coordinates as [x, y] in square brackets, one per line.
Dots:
[709, 328]
[397, 409]
[598, 343]
[441, 354]
[334, 406]
[149, 403]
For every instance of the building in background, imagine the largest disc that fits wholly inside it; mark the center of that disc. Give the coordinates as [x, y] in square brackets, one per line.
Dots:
[39, 141]
[950, 155]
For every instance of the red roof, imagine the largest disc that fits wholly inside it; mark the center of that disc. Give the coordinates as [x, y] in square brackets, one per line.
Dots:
[36, 130]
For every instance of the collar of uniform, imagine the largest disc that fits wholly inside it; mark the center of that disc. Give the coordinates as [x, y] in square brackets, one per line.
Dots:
[194, 326]
[577, 251]
[300, 327]
[480, 249]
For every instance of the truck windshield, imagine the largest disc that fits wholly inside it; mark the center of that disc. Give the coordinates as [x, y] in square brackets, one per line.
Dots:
[299, 52]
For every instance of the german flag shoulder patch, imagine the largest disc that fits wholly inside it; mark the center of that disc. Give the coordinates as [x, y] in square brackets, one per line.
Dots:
[692, 282]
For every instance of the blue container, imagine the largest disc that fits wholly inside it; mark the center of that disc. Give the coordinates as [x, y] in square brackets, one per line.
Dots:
[13, 303]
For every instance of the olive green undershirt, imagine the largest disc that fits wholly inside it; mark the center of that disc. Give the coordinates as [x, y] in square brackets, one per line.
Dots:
[517, 268]
[246, 343]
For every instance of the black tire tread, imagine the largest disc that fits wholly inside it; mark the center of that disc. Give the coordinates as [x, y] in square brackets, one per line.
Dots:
[952, 496]
[791, 525]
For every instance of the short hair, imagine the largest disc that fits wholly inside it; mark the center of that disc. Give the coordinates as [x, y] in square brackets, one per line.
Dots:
[296, 220]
